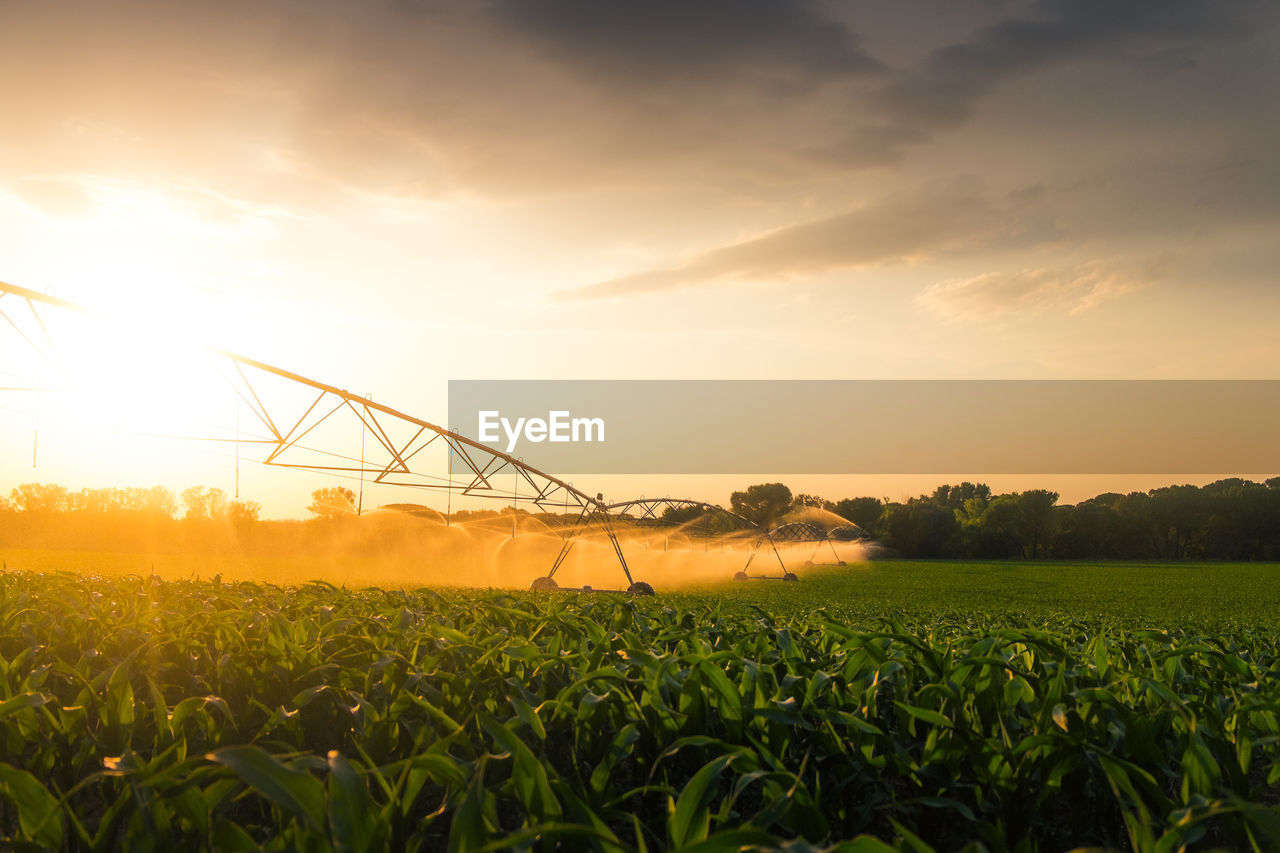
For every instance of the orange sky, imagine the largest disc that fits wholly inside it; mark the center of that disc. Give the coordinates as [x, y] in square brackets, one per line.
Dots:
[387, 195]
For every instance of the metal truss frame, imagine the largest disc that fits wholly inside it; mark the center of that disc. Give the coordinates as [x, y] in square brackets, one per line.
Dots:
[483, 464]
[651, 509]
[486, 468]
[807, 531]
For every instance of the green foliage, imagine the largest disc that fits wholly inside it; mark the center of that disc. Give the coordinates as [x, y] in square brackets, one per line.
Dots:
[682, 514]
[864, 512]
[805, 501]
[919, 527]
[1230, 519]
[137, 714]
[763, 503]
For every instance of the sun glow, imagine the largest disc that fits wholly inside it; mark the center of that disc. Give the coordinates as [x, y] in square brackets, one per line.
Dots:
[154, 263]
[158, 255]
[137, 376]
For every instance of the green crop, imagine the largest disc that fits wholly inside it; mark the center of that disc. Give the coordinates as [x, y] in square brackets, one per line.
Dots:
[138, 714]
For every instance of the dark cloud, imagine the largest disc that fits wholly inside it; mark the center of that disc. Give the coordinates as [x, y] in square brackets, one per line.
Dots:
[1144, 210]
[757, 98]
[691, 44]
[420, 99]
[944, 89]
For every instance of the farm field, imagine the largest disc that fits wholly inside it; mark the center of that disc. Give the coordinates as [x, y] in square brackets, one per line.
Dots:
[1131, 593]
[280, 570]
[894, 705]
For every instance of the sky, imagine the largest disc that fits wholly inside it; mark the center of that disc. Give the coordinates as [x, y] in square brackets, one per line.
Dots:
[388, 195]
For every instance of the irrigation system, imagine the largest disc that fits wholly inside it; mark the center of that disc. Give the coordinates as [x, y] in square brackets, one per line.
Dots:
[807, 531]
[291, 436]
[710, 519]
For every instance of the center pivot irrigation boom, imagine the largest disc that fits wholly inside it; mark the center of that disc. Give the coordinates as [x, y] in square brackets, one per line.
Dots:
[399, 439]
[711, 519]
[661, 510]
[808, 531]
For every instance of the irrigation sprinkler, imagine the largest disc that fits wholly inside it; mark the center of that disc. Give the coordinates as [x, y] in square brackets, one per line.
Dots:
[801, 532]
[655, 511]
[391, 447]
[398, 438]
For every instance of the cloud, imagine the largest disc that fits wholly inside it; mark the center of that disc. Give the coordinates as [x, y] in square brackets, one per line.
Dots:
[905, 227]
[942, 90]
[54, 196]
[107, 202]
[518, 98]
[1071, 291]
[1149, 208]
[420, 99]
[642, 45]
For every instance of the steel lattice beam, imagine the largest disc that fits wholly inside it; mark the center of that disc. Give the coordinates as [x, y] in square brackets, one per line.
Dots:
[399, 438]
[651, 510]
[484, 465]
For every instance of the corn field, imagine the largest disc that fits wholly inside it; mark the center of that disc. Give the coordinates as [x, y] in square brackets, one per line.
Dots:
[147, 715]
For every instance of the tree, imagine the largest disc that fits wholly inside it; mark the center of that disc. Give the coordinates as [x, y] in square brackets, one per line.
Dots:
[333, 502]
[763, 503]
[955, 497]
[203, 502]
[864, 512]
[919, 528]
[1239, 519]
[802, 501]
[160, 500]
[156, 500]
[1179, 515]
[1137, 533]
[1089, 529]
[95, 500]
[243, 513]
[41, 497]
[991, 528]
[682, 514]
[1037, 509]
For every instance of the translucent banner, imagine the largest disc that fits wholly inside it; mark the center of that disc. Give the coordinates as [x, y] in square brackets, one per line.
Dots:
[876, 426]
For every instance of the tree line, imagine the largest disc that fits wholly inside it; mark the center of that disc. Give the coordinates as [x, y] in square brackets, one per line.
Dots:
[204, 519]
[201, 518]
[1230, 519]
[199, 502]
